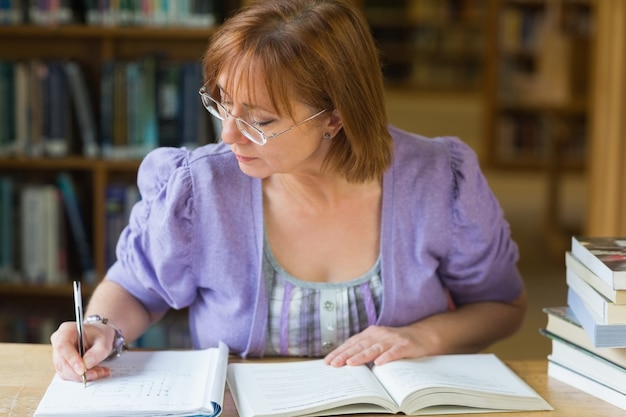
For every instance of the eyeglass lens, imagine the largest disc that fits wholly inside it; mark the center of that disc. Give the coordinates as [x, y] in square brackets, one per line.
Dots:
[218, 110]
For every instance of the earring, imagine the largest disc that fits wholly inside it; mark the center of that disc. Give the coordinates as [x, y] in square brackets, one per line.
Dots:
[327, 136]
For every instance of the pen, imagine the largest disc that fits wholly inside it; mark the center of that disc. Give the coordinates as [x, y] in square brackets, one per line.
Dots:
[78, 309]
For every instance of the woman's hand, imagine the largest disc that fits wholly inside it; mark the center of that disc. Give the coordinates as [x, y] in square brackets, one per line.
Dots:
[67, 361]
[379, 345]
[466, 329]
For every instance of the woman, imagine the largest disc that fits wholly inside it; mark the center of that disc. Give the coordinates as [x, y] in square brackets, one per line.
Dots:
[313, 228]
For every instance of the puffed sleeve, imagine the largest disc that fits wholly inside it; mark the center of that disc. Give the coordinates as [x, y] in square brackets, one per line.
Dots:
[482, 261]
[153, 257]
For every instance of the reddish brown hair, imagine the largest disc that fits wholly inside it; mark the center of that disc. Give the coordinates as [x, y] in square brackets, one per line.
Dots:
[319, 52]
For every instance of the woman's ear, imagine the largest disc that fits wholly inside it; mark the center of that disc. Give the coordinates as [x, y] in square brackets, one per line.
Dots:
[334, 123]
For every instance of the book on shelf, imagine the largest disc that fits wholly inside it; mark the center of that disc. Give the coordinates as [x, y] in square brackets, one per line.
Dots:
[587, 363]
[42, 250]
[182, 119]
[467, 383]
[57, 111]
[197, 14]
[605, 309]
[83, 109]
[151, 102]
[563, 323]
[134, 121]
[12, 12]
[22, 114]
[141, 118]
[604, 256]
[172, 383]
[27, 326]
[56, 248]
[107, 75]
[600, 333]
[32, 322]
[51, 13]
[7, 241]
[169, 85]
[7, 105]
[586, 384]
[196, 128]
[76, 220]
[171, 332]
[46, 97]
[615, 296]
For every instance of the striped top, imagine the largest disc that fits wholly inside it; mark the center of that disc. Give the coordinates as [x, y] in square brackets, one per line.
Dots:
[312, 318]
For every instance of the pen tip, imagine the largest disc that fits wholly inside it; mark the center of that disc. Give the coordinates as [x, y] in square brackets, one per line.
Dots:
[84, 381]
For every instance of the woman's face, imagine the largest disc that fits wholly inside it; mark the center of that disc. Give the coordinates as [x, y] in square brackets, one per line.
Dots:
[300, 150]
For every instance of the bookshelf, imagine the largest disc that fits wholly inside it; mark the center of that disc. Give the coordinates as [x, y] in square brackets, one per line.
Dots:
[431, 45]
[537, 97]
[30, 311]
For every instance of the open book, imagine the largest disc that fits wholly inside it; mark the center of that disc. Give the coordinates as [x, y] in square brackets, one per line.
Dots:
[446, 384]
[172, 383]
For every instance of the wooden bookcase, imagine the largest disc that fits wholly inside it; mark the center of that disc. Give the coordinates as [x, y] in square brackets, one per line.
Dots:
[539, 71]
[538, 103]
[431, 45]
[90, 46]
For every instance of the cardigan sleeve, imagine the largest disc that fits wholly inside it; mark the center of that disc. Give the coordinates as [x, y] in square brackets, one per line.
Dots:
[481, 264]
[153, 256]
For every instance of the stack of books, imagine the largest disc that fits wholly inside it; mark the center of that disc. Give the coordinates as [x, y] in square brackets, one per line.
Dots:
[589, 334]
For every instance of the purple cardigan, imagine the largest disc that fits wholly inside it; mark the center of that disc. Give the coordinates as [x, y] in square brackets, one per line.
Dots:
[196, 239]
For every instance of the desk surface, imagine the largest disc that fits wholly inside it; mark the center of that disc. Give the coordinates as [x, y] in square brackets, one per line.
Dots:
[26, 370]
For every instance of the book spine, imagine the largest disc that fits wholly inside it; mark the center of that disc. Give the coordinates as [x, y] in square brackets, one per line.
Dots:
[121, 107]
[77, 226]
[83, 109]
[168, 103]
[587, 385]
[600, 335]
[147, 107]
[32, 226]
[7, 272]
[38, 103]
[7, 106]
[592, 299]
[133, 108]
[23, 119]
[56, 112]
[115, 200]
[56, 248]
[573, 264]
[191, 105]
[106, 107]
[589, 364]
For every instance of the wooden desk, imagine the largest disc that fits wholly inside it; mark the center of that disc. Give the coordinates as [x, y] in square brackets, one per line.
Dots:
[26, 370]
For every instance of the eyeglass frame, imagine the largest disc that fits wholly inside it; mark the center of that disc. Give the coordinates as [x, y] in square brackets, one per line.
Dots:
[239, 121]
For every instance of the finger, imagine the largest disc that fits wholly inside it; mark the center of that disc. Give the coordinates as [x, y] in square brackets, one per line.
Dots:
[339, 355]
[65, 369]
[96, 353]
[97, 372]
[366, 355]
[391, 354]
[356, 350]
[67, 360]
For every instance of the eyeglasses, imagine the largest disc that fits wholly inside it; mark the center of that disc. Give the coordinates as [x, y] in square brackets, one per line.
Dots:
[251, 132]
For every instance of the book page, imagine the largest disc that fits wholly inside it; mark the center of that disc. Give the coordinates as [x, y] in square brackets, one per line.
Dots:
[144, 382]
[302, 387]
[472, 380]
